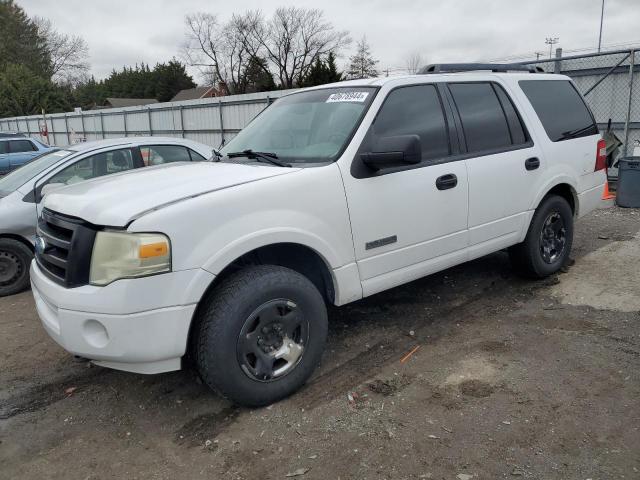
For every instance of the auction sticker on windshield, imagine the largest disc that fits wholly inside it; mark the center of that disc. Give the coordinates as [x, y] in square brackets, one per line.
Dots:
[347, 97]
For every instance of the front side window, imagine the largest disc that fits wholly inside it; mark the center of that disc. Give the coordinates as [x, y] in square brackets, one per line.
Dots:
[19, 146]
[95, 166]
[483, 120]
[196, 157]
[4, 147]
[414, 110]
[309, 127]
[160, 154]
[560, 108]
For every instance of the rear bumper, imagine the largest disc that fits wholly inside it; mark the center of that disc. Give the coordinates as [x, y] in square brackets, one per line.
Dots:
[590, 199]
[147, 341]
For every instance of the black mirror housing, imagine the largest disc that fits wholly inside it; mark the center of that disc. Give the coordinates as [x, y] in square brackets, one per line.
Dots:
[393, 152]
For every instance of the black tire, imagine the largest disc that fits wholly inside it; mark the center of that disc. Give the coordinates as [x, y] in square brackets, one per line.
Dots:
[530, 257]
[225, 344]
[15, 258]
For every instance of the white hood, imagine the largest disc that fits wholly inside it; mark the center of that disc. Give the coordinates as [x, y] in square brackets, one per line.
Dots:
[115, 200]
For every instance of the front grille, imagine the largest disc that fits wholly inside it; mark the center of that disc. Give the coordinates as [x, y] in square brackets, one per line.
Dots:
[64, 251]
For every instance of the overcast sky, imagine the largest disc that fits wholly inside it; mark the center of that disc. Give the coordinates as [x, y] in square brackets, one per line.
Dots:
[125, 32]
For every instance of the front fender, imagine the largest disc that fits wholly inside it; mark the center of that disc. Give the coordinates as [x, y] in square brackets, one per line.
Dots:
[243, 245]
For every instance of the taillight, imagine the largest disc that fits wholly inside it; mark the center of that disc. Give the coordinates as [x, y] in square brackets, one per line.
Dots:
[601, 155]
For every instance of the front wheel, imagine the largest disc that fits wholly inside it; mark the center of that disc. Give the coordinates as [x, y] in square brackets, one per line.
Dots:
[15, 258]
[547, 246]
[260, 334]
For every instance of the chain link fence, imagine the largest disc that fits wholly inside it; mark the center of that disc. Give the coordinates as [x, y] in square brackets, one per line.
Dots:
[610, 83]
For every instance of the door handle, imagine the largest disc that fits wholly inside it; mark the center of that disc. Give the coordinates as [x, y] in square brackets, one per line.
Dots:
[532, 163]
[445, 182]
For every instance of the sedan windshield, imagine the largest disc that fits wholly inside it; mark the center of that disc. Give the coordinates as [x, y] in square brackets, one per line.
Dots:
[313, 126]
[22, 175]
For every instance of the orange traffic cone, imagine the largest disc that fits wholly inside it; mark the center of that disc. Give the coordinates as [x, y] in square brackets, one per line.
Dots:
[606, 194]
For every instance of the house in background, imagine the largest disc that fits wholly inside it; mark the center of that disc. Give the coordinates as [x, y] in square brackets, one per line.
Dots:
[201, 92]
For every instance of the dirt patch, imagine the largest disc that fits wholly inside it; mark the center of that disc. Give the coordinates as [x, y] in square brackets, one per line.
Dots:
[494, 346]
[476, 388]
[205, 427]
[390, 386]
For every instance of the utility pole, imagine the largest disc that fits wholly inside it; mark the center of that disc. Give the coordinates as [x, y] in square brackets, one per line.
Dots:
[551, 41]
[601, 19]
[538, 55]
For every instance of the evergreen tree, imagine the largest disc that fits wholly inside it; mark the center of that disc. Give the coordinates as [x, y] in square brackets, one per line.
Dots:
[362, 64]
[20, 42]
[257, 76]
[332, 69]
[322, 72]
[169, 79]
[24, 93]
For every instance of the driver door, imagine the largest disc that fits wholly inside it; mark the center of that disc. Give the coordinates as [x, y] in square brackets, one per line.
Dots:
[409, 221]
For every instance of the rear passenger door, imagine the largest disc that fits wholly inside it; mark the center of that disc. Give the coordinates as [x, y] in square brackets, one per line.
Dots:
[505, 166]
[411, 220]
[20, 152]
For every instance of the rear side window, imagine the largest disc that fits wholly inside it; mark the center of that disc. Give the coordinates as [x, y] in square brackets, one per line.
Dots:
[159, 154]
[560, 107]
[415, 110]
[17, 146]
[483, 120]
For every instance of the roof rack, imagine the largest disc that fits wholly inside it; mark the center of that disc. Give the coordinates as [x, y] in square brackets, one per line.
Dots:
[470, 67]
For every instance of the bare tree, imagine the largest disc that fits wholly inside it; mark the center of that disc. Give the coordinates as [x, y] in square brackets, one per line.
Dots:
[221, 51]
[68, 53]
[413, 62]
[293, 39]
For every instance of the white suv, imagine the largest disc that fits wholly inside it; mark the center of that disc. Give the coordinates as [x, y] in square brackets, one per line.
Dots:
[331, 194]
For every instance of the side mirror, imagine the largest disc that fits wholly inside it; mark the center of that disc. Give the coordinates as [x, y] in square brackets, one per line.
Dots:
[393, 152]
[50, 187]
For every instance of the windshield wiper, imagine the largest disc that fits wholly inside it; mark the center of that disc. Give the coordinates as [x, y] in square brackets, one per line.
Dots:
[265, 157]
[576, 132]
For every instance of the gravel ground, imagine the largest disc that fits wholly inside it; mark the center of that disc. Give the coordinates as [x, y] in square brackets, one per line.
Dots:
[510, 379]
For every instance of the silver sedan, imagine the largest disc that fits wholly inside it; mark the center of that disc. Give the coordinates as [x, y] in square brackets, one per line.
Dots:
[22, 190]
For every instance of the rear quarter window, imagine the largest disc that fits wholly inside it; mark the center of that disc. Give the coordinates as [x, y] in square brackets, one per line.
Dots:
[560, 108]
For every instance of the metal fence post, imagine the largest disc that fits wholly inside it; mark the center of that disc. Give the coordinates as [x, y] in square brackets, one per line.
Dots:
[101, 126]
[149, 120]
[628, 117]
[84, 131]
[221, 122]
[66, 127]
[124, 118]
[181, 121]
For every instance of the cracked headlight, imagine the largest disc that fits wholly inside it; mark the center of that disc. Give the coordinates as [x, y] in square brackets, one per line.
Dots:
[118, 255]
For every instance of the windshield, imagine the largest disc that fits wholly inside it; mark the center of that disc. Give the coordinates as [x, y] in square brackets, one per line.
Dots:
[307, 127]
[22, 175]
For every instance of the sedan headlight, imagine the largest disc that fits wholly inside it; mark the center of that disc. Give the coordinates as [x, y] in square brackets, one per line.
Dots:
[118, 255]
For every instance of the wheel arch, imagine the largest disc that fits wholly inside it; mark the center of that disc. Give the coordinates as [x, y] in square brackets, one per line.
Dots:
[18, 238]
[563, 187]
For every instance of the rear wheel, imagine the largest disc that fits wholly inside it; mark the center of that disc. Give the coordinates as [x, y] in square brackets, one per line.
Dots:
[547, 246]
[260, 334]
[15, 258]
